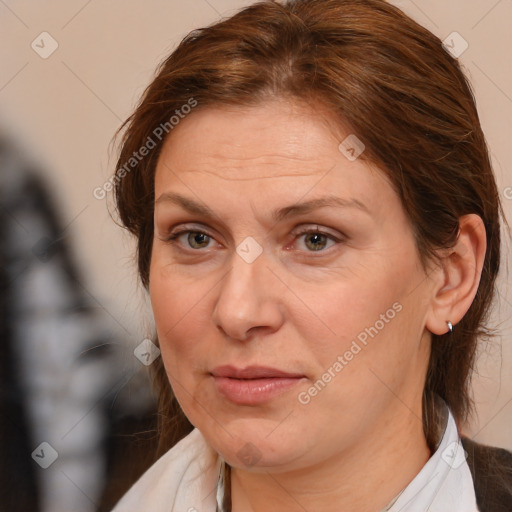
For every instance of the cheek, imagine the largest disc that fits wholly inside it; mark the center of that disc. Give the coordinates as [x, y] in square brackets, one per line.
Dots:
[180, 319]
[178, 309]
[365, 317]
[356, 306]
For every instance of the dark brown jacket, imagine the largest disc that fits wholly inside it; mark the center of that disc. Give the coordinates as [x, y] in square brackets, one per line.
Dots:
[493, 487]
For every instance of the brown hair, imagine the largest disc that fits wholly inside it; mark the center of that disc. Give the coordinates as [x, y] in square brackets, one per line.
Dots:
[381, 74]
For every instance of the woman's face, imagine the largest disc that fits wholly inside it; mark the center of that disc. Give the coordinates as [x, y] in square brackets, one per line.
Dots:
[287, 290]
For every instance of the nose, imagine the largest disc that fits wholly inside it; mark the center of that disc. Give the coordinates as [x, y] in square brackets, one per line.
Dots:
[249, 301]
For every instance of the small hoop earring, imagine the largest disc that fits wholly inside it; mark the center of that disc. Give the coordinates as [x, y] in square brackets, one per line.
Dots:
[450, 326]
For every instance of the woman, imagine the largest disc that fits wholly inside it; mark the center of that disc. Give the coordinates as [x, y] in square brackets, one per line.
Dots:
[318, 231]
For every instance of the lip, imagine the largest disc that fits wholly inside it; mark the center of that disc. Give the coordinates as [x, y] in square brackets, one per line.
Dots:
[253, 385]
[252, 372]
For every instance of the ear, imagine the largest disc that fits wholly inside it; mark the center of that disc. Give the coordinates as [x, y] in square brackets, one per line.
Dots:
[459, 277]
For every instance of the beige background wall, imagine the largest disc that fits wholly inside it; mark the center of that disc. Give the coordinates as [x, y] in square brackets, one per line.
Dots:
[65, 109]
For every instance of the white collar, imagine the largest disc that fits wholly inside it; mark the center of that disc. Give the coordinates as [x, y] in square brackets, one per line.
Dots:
[444, 483]
[188, 479]
[184, 479]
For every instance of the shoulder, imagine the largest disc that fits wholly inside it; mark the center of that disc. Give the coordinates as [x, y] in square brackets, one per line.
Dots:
[180, 474]
[491, 469]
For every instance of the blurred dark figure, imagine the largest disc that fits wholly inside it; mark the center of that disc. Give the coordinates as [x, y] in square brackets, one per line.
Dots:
[54, 362]
[18, 489]
[77, 414]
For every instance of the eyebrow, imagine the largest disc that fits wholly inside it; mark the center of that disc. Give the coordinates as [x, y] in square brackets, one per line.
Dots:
[278, 215]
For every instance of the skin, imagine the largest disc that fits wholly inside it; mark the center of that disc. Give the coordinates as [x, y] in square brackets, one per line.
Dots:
[298, 309]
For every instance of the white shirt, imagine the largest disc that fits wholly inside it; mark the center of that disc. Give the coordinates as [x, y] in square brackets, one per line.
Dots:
[188, 478]
[444, 484]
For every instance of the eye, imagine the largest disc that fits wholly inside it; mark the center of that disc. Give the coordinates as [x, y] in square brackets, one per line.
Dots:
[194, 239]
[316, 240]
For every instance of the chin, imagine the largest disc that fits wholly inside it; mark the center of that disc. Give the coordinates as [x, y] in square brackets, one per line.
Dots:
[250, 444]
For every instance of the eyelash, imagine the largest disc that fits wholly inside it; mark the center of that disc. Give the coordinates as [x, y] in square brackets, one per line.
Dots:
[172, 238]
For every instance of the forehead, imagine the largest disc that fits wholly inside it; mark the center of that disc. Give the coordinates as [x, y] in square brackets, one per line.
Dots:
[279, 146]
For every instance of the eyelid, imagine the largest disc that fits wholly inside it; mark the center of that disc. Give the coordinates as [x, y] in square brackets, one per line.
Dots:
[182, 228]
[296, 231]
[315, 228]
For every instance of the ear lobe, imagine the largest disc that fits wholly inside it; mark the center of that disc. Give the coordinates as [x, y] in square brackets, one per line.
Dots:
[461, 269]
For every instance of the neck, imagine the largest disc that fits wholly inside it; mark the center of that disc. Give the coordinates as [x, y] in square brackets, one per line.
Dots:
[356, 479]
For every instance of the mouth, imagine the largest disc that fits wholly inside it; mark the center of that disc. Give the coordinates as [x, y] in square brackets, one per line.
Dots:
[253, 385]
